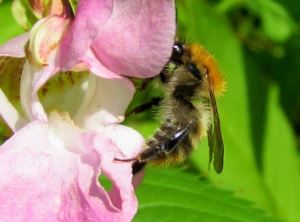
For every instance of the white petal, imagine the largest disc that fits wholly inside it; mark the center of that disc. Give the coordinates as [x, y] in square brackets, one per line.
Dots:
[63, 133]
[105, 102]
[29, 100]
[129, 141]
[10, 114]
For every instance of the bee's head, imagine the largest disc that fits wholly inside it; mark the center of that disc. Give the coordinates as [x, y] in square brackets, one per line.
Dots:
[181, 55]
[197, 61]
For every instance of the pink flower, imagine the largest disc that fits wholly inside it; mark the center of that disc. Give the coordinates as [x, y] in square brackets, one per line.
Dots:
[110, 38]
[49, 168]
[49, 172]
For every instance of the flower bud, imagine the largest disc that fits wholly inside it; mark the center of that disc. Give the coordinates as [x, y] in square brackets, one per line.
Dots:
[42, 8]
[41, 42]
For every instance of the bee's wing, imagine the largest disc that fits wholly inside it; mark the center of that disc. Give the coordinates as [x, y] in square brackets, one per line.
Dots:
[215, 140]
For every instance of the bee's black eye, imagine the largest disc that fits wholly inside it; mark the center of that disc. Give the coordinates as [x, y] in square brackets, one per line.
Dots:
[178, 51]
[194, 70]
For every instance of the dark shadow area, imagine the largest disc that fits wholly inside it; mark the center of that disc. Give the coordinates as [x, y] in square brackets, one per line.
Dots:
[258, 85]
[287, 74]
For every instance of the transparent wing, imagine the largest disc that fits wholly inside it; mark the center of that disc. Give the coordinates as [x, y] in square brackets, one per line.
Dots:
[215, 140]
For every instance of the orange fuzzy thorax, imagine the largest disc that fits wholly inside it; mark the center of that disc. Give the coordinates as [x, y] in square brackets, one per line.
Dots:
[203, 59]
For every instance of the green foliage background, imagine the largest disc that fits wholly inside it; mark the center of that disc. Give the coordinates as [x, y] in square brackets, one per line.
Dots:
[257, 45]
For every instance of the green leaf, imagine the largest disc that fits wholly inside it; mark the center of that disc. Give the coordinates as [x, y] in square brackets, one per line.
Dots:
[276, 21]
[20, 14]
[173, 195]
[292, 7]
[251, 121]
[9, 27]
[281, 162]
[274, 142]
[74, 4]
[286, 71]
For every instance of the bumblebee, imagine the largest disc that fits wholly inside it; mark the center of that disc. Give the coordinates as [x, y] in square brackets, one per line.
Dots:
[189, 110]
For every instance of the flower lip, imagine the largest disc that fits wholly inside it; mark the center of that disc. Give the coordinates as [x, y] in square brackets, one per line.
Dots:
[69, 164]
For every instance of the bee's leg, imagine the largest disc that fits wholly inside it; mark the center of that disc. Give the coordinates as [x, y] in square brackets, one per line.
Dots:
[159, 149]
[137, 167]
[141, 108]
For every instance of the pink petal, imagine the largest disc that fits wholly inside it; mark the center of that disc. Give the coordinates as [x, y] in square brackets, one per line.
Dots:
[96, 67]
[15, 47]
[122, 193]
[105, 103]
[30, 189]
[91, 15]
[138, 38]
[133, 37]
[48, 181]
[129, 142]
